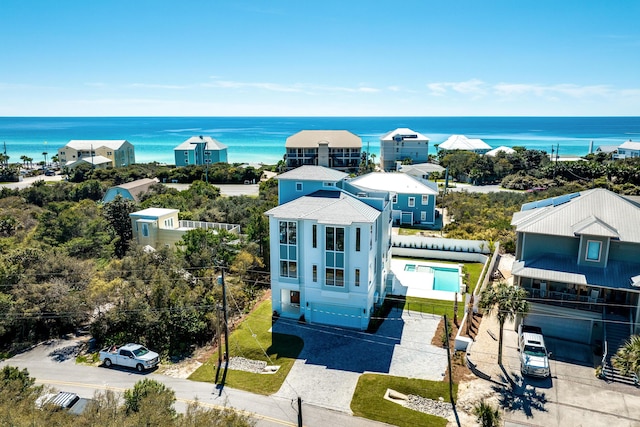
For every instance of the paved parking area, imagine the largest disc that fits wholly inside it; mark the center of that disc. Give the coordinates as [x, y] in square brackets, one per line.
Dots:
[573, 396]
[327, 370]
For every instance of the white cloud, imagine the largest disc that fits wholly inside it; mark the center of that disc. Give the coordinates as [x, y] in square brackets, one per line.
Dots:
[471, 87]
[295, 87]
[572, 90]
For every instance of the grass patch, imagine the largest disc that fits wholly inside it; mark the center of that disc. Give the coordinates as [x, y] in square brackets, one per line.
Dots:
[252, 340]
[368, 400]
[88, 358]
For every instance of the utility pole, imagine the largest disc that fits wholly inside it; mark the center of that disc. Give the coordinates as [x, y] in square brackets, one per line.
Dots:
[446, 331]
[224, 314]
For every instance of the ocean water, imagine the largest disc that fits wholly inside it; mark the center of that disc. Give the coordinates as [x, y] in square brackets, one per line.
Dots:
[262, 139]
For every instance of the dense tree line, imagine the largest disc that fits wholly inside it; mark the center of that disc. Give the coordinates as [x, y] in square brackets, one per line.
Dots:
[148, 403]
[533, 169]
[67, 261]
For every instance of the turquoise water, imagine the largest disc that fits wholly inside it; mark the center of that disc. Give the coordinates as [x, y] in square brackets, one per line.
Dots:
[444, 279]
[262, 139]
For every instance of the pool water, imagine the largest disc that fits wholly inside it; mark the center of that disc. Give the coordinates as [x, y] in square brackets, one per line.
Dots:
[444, 279]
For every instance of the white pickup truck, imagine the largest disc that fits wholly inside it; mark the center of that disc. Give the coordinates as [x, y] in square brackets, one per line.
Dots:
[130, 355]
[534, 358]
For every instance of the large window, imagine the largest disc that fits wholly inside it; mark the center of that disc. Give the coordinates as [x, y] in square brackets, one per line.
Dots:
[288, 249]
[334, 256]
[593, 250]
[412, 202]
[358, 236]
[425, 199]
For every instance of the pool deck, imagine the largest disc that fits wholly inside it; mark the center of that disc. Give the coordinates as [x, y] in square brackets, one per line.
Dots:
[417, 283]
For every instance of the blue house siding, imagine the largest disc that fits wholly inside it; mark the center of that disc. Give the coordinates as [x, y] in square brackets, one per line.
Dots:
[184, 157]
[537, 244]
[623, 251]
[289, 190]
[402, 204]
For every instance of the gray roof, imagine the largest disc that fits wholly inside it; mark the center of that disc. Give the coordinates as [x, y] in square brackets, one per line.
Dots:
[313, 138]
[395, 182]
[327, 207]
[211, 144]
[422, 168]
[313, 173]
[563, 269]
[597, 212]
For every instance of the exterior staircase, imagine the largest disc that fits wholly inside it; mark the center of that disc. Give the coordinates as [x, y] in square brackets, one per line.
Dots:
[617, 332]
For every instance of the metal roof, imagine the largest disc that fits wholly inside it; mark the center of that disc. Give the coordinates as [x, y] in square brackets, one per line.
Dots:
[563, 269]
[395, 182]
[211, 144]
[596, 211]
[404, 133]
[154, 212]
[88, 144]
[313, 138]
[495, 151]
[313, 173]
[461, 142]
[328, 207]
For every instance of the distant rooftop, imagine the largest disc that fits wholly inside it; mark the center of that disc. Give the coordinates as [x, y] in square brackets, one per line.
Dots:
[191, 143]
[313, 173]
[394, 182]
[88, 144]
[461, 142]
[334, 138]
[402, 134]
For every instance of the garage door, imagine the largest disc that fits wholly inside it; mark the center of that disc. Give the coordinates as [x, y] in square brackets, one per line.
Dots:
[567, 324]
[336, 315]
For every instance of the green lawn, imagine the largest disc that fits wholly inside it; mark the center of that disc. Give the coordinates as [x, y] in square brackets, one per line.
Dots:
[368, 400]
[252, 340]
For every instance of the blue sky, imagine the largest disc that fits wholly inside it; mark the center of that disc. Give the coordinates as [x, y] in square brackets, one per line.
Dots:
[319, 58]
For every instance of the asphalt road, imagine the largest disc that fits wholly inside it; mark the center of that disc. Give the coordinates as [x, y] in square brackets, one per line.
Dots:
[53, 364]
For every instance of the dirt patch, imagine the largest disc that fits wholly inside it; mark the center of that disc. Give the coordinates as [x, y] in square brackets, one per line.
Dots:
[460, 371]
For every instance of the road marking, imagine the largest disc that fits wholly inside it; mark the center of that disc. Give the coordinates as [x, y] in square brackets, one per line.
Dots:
[179, 399]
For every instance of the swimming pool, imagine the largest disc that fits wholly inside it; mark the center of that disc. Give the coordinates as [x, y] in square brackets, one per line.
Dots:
[444, 278]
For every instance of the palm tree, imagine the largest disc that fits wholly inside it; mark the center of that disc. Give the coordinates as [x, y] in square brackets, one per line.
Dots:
[627, 358]
[24, 160]
[507, 302]
[487, 415]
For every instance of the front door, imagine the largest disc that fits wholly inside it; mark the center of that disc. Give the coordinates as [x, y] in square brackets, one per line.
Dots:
[295, 297]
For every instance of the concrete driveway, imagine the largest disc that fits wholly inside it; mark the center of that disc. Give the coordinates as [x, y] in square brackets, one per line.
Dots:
[327, 370]
[573, 396]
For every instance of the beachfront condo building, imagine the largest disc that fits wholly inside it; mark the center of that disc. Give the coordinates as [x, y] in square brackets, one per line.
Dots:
[200, 150]
[330, 248]
[335, 149]
[99, 153]
[403, 145]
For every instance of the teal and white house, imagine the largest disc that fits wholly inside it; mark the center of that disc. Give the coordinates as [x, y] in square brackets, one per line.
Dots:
[578, 257]
[200, 150]
[330, 248]
[413, 199]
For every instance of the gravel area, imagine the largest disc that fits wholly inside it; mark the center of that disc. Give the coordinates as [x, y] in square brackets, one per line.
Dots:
[247, 365]
[439, 408]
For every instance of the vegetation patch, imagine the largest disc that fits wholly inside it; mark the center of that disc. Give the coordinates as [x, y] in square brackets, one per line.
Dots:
[253, 340]
[369, 402]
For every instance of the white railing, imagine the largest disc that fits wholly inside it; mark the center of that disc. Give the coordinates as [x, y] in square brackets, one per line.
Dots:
[232, 228]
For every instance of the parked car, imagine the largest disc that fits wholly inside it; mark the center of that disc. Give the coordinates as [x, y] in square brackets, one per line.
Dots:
[131, 356]
[534, 358]
[49, 172]
[63, 400]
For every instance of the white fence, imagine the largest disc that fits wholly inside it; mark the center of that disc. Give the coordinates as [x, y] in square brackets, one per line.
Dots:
[232, 228]
[440, 248]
